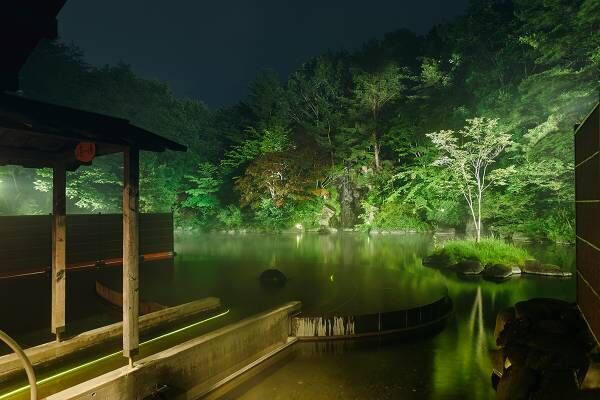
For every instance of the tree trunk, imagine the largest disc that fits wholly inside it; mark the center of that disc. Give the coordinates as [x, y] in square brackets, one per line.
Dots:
[478, 223]
[376, 151]
[347, 203]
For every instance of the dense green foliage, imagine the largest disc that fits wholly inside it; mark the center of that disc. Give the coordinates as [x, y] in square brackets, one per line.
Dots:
[349, 131]
[488, 251]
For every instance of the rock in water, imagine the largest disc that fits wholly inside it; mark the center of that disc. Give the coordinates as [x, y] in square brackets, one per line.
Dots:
[468, 267]
[516, 384]
[503, 317]
[323, 230]
[273, 278]
[546, 347]
[557, 385]
[535, 267]
[497, 272]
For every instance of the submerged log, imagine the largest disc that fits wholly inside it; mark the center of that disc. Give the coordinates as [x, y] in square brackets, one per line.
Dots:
[115, 298]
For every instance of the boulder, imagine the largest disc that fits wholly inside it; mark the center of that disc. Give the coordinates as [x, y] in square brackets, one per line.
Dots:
[497, 272]
[436, 260]
[497, 359]
[539, 360]
[326, 214]
[516, 384]
[554, 326]
[468, 267]
[557, 385]
[516, 354]
[516, 270]
[504, 316]
[534, 267]
[323, 230]
[517, 331]
[542, 309]
[547, 339]
[273, 278]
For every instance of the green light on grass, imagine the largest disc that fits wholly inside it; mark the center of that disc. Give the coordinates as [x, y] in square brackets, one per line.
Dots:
[106, 357]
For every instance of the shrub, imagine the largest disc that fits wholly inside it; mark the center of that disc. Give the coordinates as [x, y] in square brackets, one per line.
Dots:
[230, 217]
[395, 216]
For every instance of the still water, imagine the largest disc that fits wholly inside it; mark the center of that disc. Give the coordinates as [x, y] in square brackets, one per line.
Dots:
[453, 364]
[331, 274]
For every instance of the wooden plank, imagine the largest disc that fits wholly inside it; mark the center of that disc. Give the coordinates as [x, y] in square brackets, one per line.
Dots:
[588, 301]
[95, 264]
[59, 253]
[585, 174]
[131, 253]
[10, 365]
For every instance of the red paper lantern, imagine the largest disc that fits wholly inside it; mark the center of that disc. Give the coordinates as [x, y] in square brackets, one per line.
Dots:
[85, 151]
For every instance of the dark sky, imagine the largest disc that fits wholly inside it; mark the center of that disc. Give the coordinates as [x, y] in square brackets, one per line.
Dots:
[212, 50]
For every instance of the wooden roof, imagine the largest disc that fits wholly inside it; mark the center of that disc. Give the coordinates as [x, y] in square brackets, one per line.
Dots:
[35, 134]
[23, 23]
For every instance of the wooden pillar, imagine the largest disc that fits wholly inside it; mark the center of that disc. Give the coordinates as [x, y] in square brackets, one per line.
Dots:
[130, 253]
[59, 254]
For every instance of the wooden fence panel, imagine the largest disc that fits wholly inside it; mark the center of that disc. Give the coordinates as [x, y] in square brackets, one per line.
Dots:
[25, 241]
[587, 197]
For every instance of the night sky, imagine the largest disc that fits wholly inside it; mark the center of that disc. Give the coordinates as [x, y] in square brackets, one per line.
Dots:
[212, 50]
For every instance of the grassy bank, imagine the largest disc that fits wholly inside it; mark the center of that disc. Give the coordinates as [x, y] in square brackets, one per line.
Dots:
[488, 251]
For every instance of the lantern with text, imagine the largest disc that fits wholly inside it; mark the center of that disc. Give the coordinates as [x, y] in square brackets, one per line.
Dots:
[85, 151]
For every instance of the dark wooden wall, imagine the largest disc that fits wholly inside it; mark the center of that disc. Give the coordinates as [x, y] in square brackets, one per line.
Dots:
[587, 196]
[25, 241]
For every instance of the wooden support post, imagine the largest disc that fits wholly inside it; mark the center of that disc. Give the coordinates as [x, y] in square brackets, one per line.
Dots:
[130, 253]
[59, 253]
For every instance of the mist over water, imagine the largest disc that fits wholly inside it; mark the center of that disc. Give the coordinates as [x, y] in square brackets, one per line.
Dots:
[453, 364]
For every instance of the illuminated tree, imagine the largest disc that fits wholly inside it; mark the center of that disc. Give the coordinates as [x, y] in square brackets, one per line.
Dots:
[373, 91]
[469, 155]
[293, 175]
[202, 195]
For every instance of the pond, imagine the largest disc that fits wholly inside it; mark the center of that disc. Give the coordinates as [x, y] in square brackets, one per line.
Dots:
[331, 274]
[378, 270]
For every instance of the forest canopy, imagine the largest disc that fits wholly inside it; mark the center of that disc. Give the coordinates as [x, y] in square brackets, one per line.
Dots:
[348, 135]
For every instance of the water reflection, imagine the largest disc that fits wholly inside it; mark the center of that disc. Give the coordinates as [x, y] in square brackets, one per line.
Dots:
[452, 365]
[329, 273]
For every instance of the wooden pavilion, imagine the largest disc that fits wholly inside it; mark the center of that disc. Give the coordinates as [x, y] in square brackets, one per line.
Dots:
[35, 134]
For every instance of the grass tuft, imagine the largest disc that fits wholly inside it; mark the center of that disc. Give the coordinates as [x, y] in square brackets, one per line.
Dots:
[488, 251]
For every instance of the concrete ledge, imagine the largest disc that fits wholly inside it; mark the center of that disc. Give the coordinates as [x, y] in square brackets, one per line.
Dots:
[47, 352]
[197, 367]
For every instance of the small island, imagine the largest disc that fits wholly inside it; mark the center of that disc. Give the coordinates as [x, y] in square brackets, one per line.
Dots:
[493, 259]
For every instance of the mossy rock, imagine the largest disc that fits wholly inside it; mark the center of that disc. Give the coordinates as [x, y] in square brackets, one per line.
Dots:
[497, 272]
[534, 267]
[468, 267]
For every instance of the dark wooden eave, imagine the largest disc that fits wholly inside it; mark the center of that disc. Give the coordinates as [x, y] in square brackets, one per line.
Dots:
[23, 23]
[35, 134]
